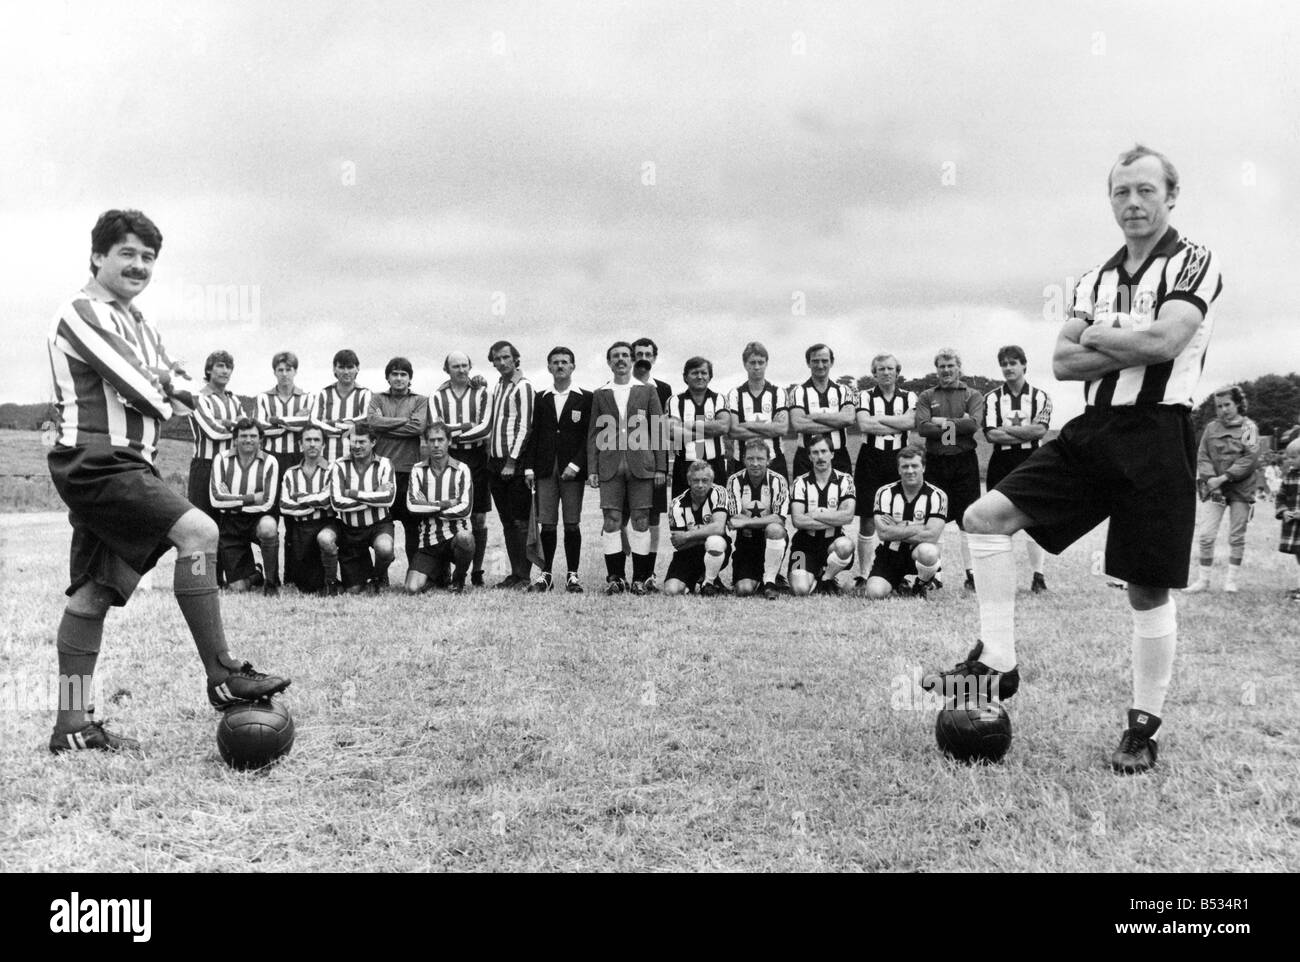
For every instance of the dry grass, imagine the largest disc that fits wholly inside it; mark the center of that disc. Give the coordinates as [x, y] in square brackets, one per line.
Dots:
[563, 732]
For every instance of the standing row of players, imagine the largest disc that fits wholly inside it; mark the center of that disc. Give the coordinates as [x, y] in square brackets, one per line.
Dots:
[343, 464]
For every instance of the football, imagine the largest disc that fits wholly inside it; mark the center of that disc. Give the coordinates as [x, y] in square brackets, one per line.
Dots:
[252, 735]
[971, 733]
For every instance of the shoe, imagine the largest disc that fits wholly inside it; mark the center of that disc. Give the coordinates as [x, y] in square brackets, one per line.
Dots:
[1137, 750]
[457, 586]
[372, 587]
[1230, 587]
[509, 581]
[920, 589]
[333, 589]
[615, 585]
[92, 735]
[541, 585]
[1293, 594]
[957, 681]
[828, 586]
[243, 684]
[271, 589]
[770, 592]
[935, 583]
[859, 583]
[1197, 586]
[710, 589]
[651, 585]
[1116, 583]
[782, 584]
[572, 584]
[1038, 585]
[637, 588]
[970, 581]
[256, 579]
[476, 579]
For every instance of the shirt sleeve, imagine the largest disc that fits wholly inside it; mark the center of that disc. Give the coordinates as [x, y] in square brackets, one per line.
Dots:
[525, 400]
[1192, 275]
[113, 358]
[1044, 415]
[464, 496]
[218, 492]
[270, 484]
[1083, 307]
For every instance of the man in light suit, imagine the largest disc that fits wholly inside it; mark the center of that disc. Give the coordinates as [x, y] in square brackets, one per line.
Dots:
[555, 460]
[628, 458]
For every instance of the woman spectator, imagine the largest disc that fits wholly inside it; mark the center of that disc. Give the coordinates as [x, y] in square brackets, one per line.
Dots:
[1226, 465]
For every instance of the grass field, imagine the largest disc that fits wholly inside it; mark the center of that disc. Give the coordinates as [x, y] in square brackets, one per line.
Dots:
[562, 732]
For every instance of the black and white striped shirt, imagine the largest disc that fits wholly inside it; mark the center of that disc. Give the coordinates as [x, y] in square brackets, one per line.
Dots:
[756, 409]
[295, 411]
[430, 485]
[231, 480]
[211, 408]
[306, 496]
[811, 401]
[469, 407]
[875, 404]
[1003, 409]
[807, 492]
[683, 515]
[509, 418]
[693, 415]
[375, 488]
[745, 499]
[1177, 270]
[330, 410]
[893, 503]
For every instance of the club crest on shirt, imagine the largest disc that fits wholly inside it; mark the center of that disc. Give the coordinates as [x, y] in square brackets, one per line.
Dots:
[576, 415]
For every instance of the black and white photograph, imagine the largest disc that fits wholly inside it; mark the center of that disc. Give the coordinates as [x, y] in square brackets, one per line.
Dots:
[654, 437]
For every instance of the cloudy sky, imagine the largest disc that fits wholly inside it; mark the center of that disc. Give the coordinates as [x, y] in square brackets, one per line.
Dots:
[410, 178]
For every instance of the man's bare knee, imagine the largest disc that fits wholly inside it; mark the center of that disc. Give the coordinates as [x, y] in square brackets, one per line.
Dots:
[91, 601]
[641, 520]
[993, 514]
[1144, 597]
[194, 532]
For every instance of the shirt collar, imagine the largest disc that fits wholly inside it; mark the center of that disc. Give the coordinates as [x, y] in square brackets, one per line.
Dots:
[1168, 244]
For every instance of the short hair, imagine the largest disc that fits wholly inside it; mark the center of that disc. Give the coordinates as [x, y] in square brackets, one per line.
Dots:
[1139, 151]
[910, 451]
[947, 354]
[1012, 352]
[815, 439]
[898, 368]
[438, 427]
[807, 355]
[313, 427]
[361, 428]
[610, 350]
[753, 349]
[114, 225]
[562, 350]
[645, 342]
[284, 357]
[446, 361]
[497, 347]
[695, 362]
[755, 444]
[699, 467]
[1237, 394]
[346, 358]
[215, 358]
[399, 364]
[246, 423]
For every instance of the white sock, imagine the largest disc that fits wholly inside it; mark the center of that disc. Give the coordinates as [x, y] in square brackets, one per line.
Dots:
[773, 552]
[639, 541]
[995, 574]
[715, 549]
[611, 542]
[1036, 555]
[866, 548]
[966, 553]
[1205, 573]
[1155, 636]
[834, 565]
[1232, 574]
[926, 572]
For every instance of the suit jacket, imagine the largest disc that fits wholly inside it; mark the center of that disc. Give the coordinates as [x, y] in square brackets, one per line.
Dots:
[637, 439]
[553, 445]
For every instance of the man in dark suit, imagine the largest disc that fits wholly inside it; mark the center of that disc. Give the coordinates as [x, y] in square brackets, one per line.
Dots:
[555, 461]
[627, 457]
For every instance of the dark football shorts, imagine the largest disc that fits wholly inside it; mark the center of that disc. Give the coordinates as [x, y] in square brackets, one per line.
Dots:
[1002, 463]
[687, 565]
[435, 560]
[238, 533]
[893, 566]
[512, 496]
[809, 552]
[626, 492]
[198, 487]
[747, 561]
[356, 566]
[121, 511]
[479, 476]
[302, 557]
[1133, 465]
[957, 476]
[874, 470]
[803, 464]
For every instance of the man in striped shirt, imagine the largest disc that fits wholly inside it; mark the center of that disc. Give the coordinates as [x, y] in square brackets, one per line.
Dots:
[1016, 417]
[910, 516]
[337, 408]
[398, 419]
[822, 406]
[441, 493]
[361, 492]
[821, 502]
[283, 412]
[245, 483]
[646, 352]
[311, 551]
[699, 423]
[506, 425]
[212, 423]
[1136, 337]
[757, 503]
[462, 402]
[113, 389]
[884, 415]
[757, 409]
[697, 527]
